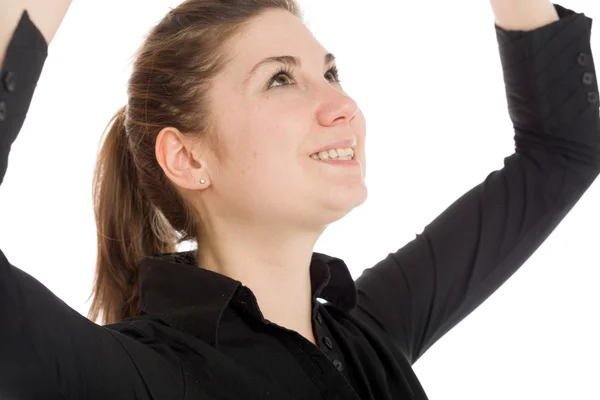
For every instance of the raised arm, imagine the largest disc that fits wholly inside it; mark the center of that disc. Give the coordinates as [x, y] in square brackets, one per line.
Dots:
[48, 350]
[417, 294]
[46, 15]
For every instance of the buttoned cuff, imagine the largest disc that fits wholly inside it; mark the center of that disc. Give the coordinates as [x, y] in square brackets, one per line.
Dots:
[20, 73]
[550, 78]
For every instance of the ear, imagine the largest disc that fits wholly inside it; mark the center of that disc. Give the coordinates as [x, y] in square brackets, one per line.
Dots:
[175, 155]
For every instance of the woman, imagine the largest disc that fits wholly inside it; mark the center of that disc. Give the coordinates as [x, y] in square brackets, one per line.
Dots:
[234, 115]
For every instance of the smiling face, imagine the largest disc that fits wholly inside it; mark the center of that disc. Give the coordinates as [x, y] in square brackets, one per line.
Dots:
[271, 117]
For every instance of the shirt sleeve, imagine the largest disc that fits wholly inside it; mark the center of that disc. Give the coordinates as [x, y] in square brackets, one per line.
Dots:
[423, 290]
[47, 349]
[25, 57]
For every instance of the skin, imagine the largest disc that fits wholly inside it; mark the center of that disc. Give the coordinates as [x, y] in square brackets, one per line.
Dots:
[265, 207]
[523, 15]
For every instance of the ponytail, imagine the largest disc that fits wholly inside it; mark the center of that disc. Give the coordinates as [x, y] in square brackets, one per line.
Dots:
[129, 227]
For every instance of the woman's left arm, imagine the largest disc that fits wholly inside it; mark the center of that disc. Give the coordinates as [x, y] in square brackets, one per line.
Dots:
[423, 290]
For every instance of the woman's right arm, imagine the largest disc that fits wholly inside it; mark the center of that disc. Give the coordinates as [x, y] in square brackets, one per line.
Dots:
[26, 29]
[47, 349]
[47, 16]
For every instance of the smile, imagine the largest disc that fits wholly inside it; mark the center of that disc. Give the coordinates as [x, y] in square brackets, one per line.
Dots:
[341, 154]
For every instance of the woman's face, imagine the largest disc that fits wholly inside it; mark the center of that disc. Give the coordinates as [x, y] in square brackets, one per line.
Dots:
[271, 123]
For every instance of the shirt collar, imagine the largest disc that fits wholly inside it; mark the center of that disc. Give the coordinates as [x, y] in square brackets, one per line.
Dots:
[192, 299]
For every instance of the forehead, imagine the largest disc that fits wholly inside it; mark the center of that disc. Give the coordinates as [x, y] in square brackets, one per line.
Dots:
[273, 33]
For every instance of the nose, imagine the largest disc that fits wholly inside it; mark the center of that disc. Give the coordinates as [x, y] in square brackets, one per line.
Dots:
[337, 107]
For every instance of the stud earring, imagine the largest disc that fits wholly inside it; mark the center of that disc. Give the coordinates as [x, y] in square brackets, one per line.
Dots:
[202, 181]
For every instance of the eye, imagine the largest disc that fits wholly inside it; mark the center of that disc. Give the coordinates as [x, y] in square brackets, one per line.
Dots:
[283, 72]
[284, 75]
[333, 71]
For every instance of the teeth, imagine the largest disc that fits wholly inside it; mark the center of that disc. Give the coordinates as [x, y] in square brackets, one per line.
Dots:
[335, 154]
[342, 152]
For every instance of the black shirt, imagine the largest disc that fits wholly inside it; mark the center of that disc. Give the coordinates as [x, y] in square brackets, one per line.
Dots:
[201, 335]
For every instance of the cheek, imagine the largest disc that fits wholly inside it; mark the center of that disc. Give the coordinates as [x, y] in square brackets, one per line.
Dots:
[359, 127]
[359, 124]
[271, 171]
[262, 158]
[278, 136]
[267, 135]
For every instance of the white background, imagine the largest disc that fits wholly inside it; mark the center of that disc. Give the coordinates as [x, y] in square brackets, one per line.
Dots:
[427, 75]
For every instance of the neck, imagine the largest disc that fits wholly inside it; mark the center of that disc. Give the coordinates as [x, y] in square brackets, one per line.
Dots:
[273, 263]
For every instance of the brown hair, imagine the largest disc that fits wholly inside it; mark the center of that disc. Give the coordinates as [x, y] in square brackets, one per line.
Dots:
[138, 210]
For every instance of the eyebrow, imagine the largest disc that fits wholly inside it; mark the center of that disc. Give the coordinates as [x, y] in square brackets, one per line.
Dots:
[287, 60]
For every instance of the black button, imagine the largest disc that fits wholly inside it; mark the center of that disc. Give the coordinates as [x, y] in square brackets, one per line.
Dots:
[582, 59]
[338, 365]
[2, 111]
[319, 318]
[592, 97]
[10, 81]
[328, 342]
[587, 78]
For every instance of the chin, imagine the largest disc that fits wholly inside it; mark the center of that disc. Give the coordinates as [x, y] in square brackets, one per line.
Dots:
[338, 205]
